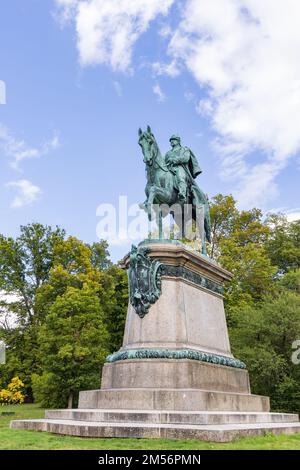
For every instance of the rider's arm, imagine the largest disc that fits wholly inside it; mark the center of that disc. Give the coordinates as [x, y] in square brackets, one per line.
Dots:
[168, 158]
[183, 157]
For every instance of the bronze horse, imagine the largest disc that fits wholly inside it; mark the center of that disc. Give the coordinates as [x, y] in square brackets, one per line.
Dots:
[162, 195]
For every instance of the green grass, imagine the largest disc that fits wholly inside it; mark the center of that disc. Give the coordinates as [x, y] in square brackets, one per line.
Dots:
[17, 439]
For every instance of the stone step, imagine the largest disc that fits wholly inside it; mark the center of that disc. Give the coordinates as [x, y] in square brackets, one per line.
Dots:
[172, 399]
[215, 433]
[170, 417]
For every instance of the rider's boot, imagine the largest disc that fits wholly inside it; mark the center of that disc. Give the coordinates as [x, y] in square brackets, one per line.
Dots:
[182, 192]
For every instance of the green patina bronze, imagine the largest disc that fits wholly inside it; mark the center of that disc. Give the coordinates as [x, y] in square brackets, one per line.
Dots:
[171, 183]
[191, 276]
[175, 354]
[144, 276]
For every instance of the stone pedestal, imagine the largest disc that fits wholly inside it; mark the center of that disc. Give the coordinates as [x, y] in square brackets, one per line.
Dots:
[175, 375]
[182, 342]
[189, 314]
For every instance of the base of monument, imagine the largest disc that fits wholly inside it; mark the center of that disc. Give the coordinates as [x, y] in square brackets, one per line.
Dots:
[206, 426]
[166, 413]
[174, 374]
[172, 399]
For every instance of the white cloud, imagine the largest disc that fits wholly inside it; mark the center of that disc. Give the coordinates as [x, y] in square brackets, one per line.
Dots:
[50, 145]
[189, 96]
[204, 107]
[246, 54]
[165, 31]
[27, 193]
[293, 215]
[171, 69]
[118, 88]
[161, 97]
[18, 150]
[2, 92]
[107, 30]
[66, 10]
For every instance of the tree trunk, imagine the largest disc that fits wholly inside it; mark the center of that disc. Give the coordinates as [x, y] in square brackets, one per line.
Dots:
[70, 400]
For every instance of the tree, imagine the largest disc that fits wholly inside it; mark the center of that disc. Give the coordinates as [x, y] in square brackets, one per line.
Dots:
[243, 227]
[262, 336]
[291, 280]
[25, 264]
[116, 315]
[253, 274]
[223, 213]
[283, 244]
[73, 344]
[81, 300]
[36, 269]
[238, 244]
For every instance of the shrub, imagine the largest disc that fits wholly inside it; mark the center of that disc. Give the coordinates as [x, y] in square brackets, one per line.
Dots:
[13, 394]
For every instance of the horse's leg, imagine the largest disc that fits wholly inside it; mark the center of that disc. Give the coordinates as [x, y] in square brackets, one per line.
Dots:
[161, 197]
[150, 202]
[144, 205]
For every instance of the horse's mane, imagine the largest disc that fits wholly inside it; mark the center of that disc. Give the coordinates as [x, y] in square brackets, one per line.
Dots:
[155, 141]
[159, 158]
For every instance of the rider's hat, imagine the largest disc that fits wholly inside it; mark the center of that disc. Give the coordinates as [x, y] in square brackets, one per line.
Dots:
[175, 137]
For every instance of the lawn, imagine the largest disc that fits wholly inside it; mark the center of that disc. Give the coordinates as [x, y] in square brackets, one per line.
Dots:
[13, 439]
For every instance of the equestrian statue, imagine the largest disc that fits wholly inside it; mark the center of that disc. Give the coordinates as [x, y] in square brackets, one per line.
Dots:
[171, 187]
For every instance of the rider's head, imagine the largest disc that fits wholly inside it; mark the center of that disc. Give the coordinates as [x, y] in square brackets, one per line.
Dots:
[174, 140]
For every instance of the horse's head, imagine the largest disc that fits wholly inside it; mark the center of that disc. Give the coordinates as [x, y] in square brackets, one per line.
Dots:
[148, 144]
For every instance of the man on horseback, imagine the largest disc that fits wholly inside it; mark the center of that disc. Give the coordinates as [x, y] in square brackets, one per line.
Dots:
[183, 164]
[171, 180]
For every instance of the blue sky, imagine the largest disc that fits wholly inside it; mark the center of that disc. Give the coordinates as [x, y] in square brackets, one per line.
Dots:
[82, 75]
